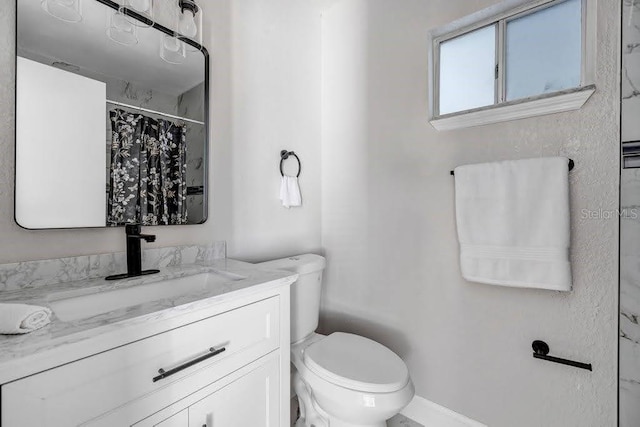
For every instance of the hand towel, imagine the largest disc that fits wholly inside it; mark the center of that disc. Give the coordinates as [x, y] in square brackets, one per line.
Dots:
[22, 318]
[290, 191]
[514, 223]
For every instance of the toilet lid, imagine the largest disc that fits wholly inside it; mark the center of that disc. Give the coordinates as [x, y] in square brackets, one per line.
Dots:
[357, 363]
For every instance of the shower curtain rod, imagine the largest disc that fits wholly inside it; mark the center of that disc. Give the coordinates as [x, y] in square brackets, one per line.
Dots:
[146, 110]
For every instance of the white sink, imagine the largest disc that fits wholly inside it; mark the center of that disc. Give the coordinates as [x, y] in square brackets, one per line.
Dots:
[83, 303]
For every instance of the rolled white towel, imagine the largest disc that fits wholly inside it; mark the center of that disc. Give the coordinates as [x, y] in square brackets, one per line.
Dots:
[22, 318]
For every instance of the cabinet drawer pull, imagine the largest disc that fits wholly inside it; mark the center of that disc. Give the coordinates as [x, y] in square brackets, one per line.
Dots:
[165, 374]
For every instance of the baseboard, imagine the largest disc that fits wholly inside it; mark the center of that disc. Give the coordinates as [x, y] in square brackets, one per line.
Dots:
[431, 414]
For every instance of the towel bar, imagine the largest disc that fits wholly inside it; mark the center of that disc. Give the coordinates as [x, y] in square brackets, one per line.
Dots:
[541, 351]
[571, 166]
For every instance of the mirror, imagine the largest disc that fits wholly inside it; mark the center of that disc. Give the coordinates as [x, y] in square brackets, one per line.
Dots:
[111, 118]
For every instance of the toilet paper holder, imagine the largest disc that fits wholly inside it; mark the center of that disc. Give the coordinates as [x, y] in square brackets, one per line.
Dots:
[541, 351]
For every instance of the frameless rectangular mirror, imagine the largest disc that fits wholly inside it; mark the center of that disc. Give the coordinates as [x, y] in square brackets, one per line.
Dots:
[111, 118]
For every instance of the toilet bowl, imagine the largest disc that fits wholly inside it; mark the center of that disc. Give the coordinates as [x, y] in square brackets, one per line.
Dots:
[341, 379]
[345, 380]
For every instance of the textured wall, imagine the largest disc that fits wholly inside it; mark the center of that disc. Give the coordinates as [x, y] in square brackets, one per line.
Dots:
[389, 232]
[265, 96]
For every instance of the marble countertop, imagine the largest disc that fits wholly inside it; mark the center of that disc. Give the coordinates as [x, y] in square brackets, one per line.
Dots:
[64, 341]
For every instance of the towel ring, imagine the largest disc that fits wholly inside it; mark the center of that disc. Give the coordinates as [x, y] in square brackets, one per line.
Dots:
[284, 155]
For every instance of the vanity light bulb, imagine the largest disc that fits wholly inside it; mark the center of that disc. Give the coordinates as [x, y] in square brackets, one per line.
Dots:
[140, 5]
[187, 26]
[171, 44]
[119, 22]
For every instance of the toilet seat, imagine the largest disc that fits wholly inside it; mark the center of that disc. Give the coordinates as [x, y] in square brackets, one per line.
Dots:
[356, 363]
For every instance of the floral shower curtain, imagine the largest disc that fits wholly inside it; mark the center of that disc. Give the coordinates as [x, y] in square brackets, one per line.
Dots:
[148, 171]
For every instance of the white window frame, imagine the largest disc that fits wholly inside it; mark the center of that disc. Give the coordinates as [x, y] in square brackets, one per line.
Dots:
[502, 110]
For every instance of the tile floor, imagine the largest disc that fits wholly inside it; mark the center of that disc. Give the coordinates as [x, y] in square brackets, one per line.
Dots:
[402, 421]
[397, 421]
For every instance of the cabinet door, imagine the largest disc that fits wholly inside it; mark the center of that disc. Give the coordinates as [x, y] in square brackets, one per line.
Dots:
[181, 419]
[252, 400]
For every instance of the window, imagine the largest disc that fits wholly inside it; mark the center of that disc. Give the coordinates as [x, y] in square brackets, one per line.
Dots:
[532, 60]
[543, 50]
[467, 71]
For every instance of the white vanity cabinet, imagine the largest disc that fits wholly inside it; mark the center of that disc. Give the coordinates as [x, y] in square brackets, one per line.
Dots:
[246, 398]
[180, 419]
[230, 369]
[245, 402]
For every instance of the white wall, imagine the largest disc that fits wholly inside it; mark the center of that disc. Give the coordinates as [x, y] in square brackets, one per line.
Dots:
[276, 105]
[265, 86]
[389, 232]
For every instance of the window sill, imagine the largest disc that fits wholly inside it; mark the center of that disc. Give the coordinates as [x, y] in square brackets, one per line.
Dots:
[557, 102]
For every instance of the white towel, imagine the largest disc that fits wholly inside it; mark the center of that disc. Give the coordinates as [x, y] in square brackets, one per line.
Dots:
[22, 318]
[513, 223]
[290, 192]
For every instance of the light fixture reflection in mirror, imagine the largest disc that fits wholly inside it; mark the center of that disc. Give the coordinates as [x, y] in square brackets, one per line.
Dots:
[65, 10]
[143, 7]
[120, 29]
[172, 49]
[188, 25]
[190, 22]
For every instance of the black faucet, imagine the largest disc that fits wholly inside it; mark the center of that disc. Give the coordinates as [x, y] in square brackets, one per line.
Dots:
[134, 254]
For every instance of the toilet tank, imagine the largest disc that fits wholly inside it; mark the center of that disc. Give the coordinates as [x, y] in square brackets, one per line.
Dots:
[305, 292]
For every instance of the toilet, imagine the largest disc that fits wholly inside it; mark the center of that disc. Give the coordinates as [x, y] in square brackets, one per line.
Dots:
[341, 379]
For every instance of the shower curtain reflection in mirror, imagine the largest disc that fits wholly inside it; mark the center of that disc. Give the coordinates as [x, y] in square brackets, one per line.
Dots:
[148, 169]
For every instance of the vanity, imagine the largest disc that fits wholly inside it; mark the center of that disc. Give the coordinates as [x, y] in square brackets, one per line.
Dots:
[196, 345]
[203, 342]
